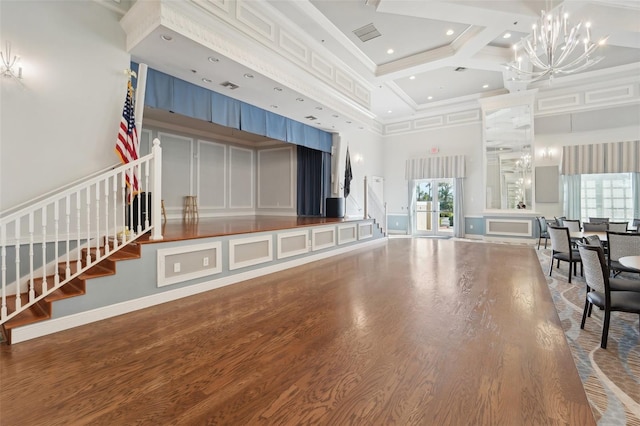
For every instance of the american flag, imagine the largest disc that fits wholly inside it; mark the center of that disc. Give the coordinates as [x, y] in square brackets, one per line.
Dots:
[127, 144]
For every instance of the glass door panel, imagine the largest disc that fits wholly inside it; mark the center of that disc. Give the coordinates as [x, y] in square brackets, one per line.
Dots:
[434, 207]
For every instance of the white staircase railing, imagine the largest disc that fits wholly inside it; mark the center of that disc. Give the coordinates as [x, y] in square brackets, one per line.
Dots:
[61, 236]
[374, 207]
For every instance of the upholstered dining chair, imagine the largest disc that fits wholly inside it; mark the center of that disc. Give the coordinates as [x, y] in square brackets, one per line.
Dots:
[600, 293]
[618, 226]
[595, 227]
[542, 231]
[598, 219]
[559, 220]
[572, 224]
[622, 244]
[592, 240]
[561, 249]
[636, 224]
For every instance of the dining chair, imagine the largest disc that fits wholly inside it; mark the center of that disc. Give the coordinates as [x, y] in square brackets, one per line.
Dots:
[636, 224]
[542, 231]
[595, 227]
[572, 224]
[561, 249]
[559, 220]
[618, 226]
[598, 219]
[622, 244]
[600, 293]
[592, 240]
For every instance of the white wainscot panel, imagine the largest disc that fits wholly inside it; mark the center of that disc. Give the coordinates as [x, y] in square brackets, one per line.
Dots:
[365, 230]
[292, 243]
[322, 238]
[609, 94]
[241, 178]
[245, 252]
[515, 227]
[558, 102]
[179, 264]
[347, 233]
[212, 175]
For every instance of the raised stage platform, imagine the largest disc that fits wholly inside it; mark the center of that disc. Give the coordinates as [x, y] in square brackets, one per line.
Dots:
[178, 230]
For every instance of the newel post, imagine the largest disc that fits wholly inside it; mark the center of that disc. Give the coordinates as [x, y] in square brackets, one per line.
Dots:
[156, 200]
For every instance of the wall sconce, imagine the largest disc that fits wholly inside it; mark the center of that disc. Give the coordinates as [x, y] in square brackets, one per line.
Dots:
[358, 158]
[10, 65]
[547, 154]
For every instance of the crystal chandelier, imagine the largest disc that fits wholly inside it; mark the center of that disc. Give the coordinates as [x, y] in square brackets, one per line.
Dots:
[10, 65]
[552, 48]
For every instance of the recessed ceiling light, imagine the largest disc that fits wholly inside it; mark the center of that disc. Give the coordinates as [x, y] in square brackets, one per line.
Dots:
[247, 75]
[348, 122]
[389, 51]
[389, 112]
[299, 99]
[450, 32]
[278, 89]
[206, 80]
[335, 115]
[166, 37]
[319, 108]
[413, 77]
[274, 106]
[212, 59]
[430, 97]
[507, 35]
[485, 86]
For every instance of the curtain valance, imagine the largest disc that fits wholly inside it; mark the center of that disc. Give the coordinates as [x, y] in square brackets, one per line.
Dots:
[172, 94]
[613, 157]
[435, 167]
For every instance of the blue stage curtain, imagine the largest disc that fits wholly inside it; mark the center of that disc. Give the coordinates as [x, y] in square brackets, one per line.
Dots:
[253, 119]
[191, 100]
[225, 111]
[159, 90]
[310, 183]
[276, 126]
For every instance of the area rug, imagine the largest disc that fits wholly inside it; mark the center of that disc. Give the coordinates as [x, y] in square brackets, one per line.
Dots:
[611, 377]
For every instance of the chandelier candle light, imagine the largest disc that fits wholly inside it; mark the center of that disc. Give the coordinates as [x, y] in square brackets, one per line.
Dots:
[10, 64]
[551, 48]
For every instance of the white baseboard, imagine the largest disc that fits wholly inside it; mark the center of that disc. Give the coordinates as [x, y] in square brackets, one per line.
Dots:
[44, 328]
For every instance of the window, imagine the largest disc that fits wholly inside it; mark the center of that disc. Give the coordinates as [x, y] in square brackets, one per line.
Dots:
[606, 195]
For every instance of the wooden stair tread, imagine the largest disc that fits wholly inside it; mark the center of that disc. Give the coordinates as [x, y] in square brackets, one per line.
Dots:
[93, 272]
[66, 291]
[33, 314]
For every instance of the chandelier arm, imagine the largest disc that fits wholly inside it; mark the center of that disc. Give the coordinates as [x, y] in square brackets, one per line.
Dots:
[583, 57]
[533, 58]
[523, 72]
[570, 46]
[584, 66]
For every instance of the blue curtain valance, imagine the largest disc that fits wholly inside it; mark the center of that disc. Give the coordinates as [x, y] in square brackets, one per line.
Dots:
[172, 94]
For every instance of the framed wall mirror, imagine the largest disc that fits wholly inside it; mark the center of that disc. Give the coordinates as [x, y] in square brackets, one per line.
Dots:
[508, 156]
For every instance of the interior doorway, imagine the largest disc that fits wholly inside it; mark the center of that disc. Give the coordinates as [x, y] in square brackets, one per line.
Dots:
[433, 213]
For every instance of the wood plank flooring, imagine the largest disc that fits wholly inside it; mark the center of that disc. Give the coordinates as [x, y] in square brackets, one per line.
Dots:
[410, 332]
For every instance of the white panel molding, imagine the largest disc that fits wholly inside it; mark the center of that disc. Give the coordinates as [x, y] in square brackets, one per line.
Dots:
[291, 45]
[293, 236]
[558, 102]
[323, 232]
[261, 257]
[224, 174]
[262, 205]
[428, 122]
[463, 117]
[322, 67]
[347, 233]
[363, 94]
[344, 81]
[490, 222]
[397, 127]
[365, 230]
[255, 21]
[186, 140]
[609, 94]
[251, 179]
[214, 268]
[214, 6]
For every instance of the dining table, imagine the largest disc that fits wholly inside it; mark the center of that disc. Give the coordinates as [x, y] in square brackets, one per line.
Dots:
[630, 262]
[579, 235]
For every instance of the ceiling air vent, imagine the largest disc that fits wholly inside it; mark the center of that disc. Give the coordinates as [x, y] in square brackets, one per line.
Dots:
[367, 32]
[460, 69]
[229, 85]
[310, 117]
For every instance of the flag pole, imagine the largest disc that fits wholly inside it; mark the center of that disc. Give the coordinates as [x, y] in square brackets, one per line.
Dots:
[141, 88]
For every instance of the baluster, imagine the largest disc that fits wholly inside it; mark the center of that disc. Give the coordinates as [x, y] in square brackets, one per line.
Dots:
[146, 193]
[88, 257]
[56, 249]
[98, 254]
[67, 270]
[115, 210]
[3, 241]
[44, 250]
[32, 241]
[17, 262]
[78, 214]
[124, 204]
[106, 217]
[137, 178]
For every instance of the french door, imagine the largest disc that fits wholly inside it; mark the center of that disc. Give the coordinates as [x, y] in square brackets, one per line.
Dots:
[433, 213]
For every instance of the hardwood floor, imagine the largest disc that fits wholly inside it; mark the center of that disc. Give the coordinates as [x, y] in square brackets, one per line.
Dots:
[414, 331]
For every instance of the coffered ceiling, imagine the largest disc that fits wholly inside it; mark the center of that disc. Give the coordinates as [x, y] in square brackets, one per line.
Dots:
[428, 54]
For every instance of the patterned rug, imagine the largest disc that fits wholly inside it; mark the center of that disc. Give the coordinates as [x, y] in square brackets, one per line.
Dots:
[611, 376]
